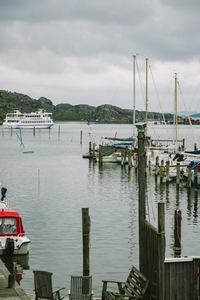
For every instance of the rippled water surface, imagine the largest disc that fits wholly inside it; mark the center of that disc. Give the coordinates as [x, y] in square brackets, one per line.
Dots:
[49, 188]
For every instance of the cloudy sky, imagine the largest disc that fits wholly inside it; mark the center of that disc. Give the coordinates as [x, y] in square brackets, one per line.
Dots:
[81, 51]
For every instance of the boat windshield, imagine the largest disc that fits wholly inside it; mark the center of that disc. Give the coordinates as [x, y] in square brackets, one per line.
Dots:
[8, 226]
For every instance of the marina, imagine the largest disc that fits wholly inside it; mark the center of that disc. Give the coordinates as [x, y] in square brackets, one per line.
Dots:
[56, 177]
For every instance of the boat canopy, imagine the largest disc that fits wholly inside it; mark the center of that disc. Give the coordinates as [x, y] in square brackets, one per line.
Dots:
[10, 223]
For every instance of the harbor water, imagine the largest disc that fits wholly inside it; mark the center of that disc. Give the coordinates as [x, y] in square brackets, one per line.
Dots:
[50, 185]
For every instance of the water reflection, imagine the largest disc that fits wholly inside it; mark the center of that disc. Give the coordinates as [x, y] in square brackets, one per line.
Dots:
[16, 265]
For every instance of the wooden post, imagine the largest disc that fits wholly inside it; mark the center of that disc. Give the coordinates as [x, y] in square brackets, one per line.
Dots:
[129, 159]
[177, 233]
[90, 149]
[81, 137]
[161, 250]
[11, 281]
[177, 175]
[11, 131]
[196, 182]
[100, 156]
[33, 131]
[142, 191]
[183, 146]
[93, 151]
[167, 172]
[49, 131]
[189, 177]
[122, 158]
[157, 166]
[161, 171]
[86, 241]
[195, 178]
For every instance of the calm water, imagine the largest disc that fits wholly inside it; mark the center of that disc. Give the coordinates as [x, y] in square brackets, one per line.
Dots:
[49, 188]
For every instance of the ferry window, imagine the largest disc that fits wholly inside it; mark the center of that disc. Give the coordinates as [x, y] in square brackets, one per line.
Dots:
[8, 226]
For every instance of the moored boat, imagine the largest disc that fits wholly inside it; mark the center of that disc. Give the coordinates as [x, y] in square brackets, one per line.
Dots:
[13, 240]
[39, 119]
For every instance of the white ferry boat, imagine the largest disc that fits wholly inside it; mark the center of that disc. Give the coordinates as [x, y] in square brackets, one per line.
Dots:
[39, 119]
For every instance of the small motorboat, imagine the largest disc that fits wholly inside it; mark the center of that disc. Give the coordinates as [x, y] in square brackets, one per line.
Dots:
[13, 240]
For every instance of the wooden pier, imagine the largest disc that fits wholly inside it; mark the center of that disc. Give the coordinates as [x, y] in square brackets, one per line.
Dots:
[14, 292]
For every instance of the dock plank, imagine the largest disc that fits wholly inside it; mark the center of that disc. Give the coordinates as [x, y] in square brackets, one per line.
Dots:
[14, 293]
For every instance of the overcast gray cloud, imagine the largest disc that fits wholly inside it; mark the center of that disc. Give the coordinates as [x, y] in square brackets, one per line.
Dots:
[81, 51]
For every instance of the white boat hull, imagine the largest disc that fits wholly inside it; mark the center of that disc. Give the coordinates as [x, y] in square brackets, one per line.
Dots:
[21, 245]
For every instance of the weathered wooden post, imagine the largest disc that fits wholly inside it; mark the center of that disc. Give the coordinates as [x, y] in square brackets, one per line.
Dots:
[122, 158]
[177, 233]
[183, 146]
[142, 186]
[86, 241]
[93, 151]
[90, 149]
[167, 172]
[129, 159]
[177, 175]
[161, 250]
[81, 135]
[189, 177]
[157, 167]
[49, 131]
[100, 156]
[161, 171]
[196, 182]
[11, 131]
[33, 131]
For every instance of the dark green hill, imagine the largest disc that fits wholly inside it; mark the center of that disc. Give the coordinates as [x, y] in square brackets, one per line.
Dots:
[66, 112]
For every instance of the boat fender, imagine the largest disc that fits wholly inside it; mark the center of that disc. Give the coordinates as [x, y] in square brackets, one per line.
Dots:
[9, 247]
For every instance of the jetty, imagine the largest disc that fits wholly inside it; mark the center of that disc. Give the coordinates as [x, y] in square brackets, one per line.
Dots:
[9, 288]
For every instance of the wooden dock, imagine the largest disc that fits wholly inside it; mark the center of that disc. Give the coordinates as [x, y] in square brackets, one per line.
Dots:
[14, 293]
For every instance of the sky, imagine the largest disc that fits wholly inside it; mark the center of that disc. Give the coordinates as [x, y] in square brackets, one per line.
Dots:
[81, 52]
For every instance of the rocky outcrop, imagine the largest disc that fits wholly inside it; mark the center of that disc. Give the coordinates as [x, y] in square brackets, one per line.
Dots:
[104, 113]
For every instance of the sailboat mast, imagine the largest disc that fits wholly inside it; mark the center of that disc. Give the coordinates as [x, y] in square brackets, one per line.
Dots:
[133, 95]
[176, 104]
[146, 92]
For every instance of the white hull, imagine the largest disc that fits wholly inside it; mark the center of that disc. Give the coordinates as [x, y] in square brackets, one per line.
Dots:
[18, 120]
[21, 245]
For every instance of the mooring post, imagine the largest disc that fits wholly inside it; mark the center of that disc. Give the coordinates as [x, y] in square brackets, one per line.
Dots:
[189, 177]
[167, 172]
[93, 151]
[177, 233]
[161, 171]
[90, 149]
[177, 175]
[195, 178]
[129, 159]
[86, 241]
[157, 167]
[81, 135]
[183, 146]
[100, 156]
[161, 250]
[11, 131]
[122, 158]
[33, 131]
[142, 190]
